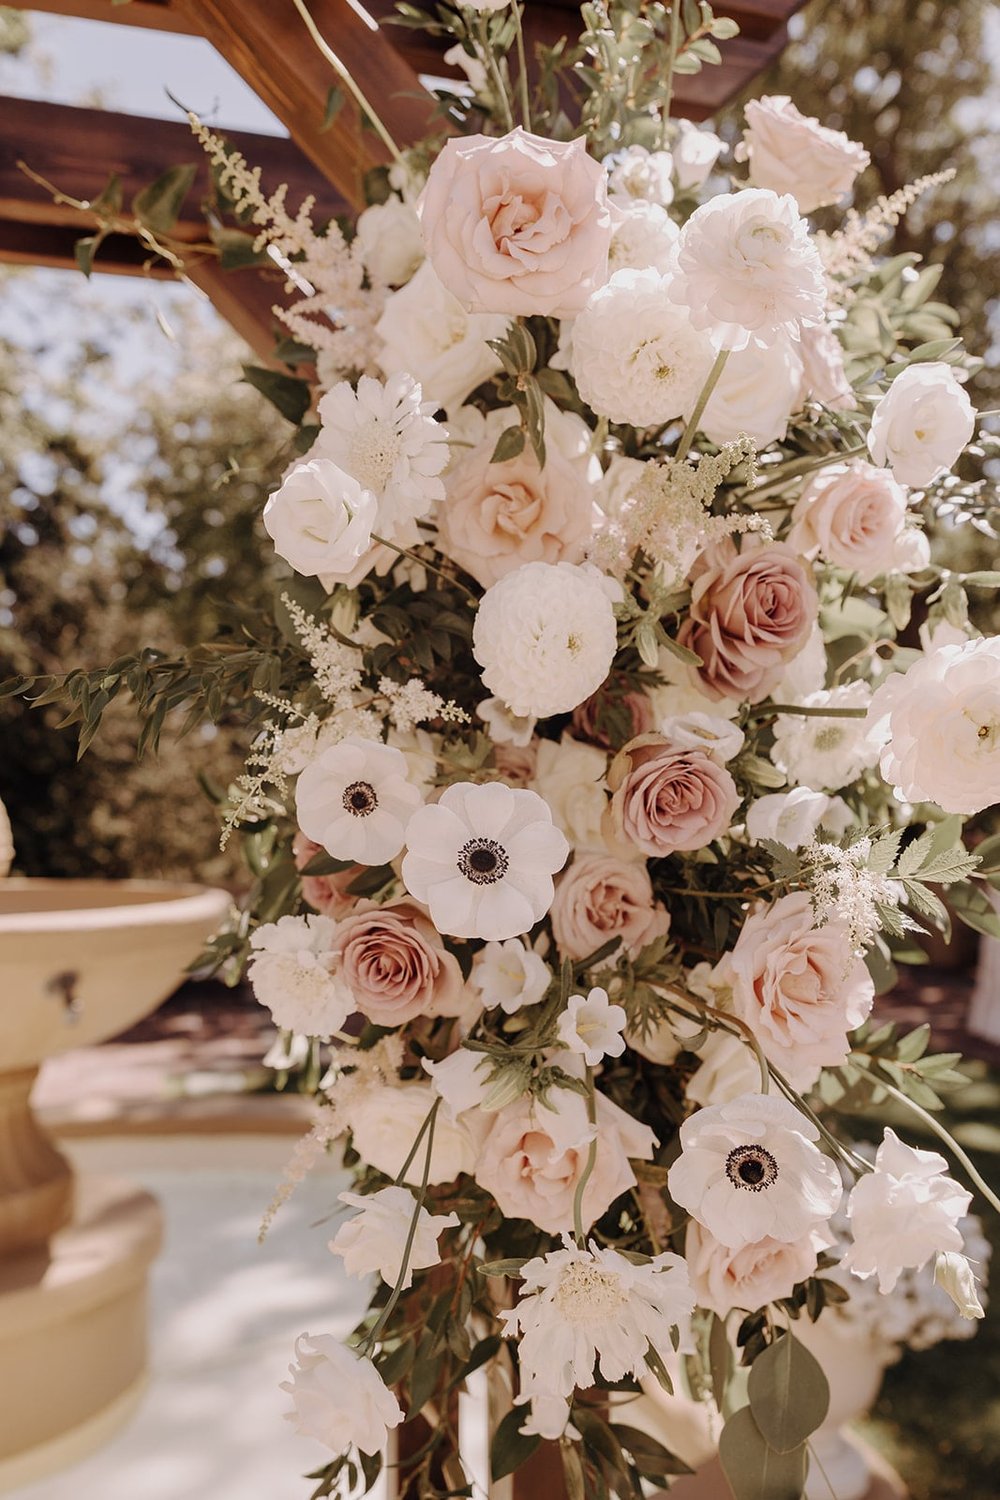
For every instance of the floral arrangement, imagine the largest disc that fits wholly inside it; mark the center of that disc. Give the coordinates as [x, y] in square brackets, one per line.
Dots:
[602, 776]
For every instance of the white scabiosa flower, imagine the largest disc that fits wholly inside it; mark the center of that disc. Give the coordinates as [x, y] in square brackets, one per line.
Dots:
[338, 1398]
[826, 754]
[581, 1306]
[385, 437]
[545, 636]
[903, 1213]
[510, 975]
[748, 270]
[290, 973]
[482, 860]
[921, 424]
[321, 520]
[355, 799]
[635, 355]
[592, 1027]
[749, 1170]
[375, 1238]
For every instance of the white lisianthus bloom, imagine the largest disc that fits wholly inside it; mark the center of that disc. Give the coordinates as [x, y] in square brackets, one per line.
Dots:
[921, 424]
[545, 636]
[385, 437]
[940, 722]
[375, 1238]
[338, 1397]
[482, 860]
[853, 515]
[748, 270]
[800, 988]
[385, 1119]
[749, 1170]
[643, 175]
[757, 392]
[644, 238]
[953, 1273]
[570, 778]
[591, 1026]
[826, 754]
[461, 1080]
[506, 728]
[752, 1276]
[392, 246]
[356, 799]
[510, 975]
[635, 356]
[581, 1306]
[695, 153]
[792, 818]
[426, 332]
[289, 972]
[320, 520]
[721, 739]
[792, 153]
[903, 1213]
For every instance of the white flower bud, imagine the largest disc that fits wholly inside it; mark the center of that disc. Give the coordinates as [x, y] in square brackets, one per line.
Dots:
[955, 1276]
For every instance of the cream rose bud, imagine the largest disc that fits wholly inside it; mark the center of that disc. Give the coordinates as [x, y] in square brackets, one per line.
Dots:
[853, 516]
[601, 897]
[921, 424]
[393, 966]
[750, 1277]
[695, 153]
[392, 245]
[376, 1238]
[519, 225]
[338, 1398]
[940, 724]
[385, 1120]
[800, 988]
[570, 778]
[426, 332]
[792, 153]
[320, 520]
[667, 799]
[756, 394]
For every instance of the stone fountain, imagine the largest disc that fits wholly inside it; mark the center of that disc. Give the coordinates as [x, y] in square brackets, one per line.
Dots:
[80, 961]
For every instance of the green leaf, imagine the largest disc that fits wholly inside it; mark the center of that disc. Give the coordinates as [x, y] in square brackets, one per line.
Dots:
[973, 907]
[84, 251]
[334, 104]
[789, 1394]
[512, 1267]
[236, 248]
[754, 1470]
[109, 200]
[509, 444]
[576, 1488]
[689, 658]
[651, 1458]
[158, 206]
[289, 394]
[982, 580]
[510, 1448]
[659, 1369]
[325, 864]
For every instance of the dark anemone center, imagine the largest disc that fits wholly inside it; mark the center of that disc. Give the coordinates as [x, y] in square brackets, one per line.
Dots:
[752, 1168]
[360, 799]
[483, 861]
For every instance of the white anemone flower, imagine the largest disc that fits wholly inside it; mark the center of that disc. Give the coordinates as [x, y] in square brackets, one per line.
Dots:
[356, 799]
[749, 1170]
[482, 860]
[592, 1027]
[375, 1238]
[581, 1305]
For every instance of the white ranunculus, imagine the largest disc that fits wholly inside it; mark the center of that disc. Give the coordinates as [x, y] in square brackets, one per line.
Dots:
[545, 636]
[375, 1238]
[940, 724]
[592, 1027]
[644, 238]
[756, 394]
[921, 424]
[482, 859]
[356, 799]
[570, 777]
[748, 270]
[634, 355]
[392, 246]
[903, 1213]
[792, 153]
[289, 972]
[385, 1120]
[510, 975]
[639, 174]
[339, 1398]
[320, 520]
[826, 754]
[427, 333]
[792, 818]
[854, 516]
[695, 153]
[749, 1170]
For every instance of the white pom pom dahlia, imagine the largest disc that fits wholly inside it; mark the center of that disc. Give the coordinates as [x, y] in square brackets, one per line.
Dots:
[545, 636]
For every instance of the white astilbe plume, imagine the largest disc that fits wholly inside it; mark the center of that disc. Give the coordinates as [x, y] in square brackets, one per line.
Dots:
[335, 311]
[411, 703]
[848, 253]
[844, 889]
[338, 668]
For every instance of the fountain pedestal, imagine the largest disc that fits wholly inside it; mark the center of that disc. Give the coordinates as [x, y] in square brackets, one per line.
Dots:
[36, 1180]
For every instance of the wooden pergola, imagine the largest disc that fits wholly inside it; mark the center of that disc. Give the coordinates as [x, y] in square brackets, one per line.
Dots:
[267, 44]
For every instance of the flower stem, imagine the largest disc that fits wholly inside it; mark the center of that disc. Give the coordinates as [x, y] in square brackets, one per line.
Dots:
[856, 1164]
[344, 74]
[383, 541]
[675, 33]
[387, 1310]
[522, 66]
[585, 1175]
[690, 431]
[490, 59]
[809, 713]
[798, 468]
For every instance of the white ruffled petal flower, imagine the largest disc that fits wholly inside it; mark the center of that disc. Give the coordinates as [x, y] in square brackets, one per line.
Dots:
[321, 520]
[592, 1027]
[482, 860]
[921, 424]
[338, 1397]
[289, 972]
[356, 800]
[375, 1238]
[790, 152]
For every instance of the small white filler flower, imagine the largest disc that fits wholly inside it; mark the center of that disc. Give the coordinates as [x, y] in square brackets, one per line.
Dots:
[592, 1027]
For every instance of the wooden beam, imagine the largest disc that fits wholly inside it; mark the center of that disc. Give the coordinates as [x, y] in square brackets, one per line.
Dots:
[153, 15]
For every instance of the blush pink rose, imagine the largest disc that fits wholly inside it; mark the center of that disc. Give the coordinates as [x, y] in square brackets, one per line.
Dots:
[517, 764]
[790, 152]
[519, 225]
[751, 613]
[750, 1277]
[325, 893]
[534, 1156]
[854, 516]
[669, 799]
[601, 896]
[395, 966]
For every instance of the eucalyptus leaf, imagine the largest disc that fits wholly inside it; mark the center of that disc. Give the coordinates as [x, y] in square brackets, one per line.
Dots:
[510, 1447]
[789, 1394]
[158, 206]
[754, 1470]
